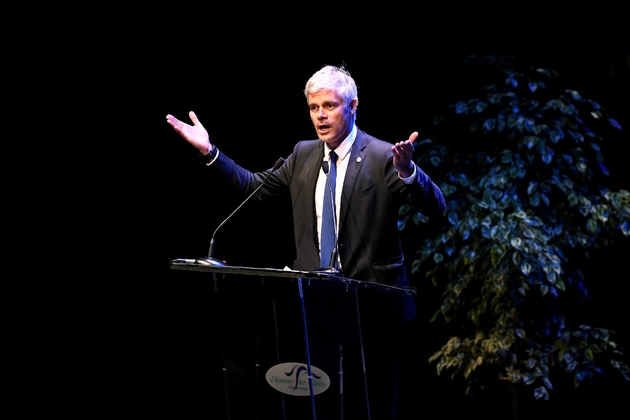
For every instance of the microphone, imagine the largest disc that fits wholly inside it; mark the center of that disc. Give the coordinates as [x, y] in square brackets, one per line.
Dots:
[331, 269]
[210, 260]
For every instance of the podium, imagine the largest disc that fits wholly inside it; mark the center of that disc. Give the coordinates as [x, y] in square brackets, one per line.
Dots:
[307, 359]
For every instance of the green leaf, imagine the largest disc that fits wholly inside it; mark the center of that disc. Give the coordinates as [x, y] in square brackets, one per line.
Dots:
[559, 283]
[614, 123]
[435, 314]
[532, 187]
[480, 106]
[556, 135]
[588, 353]
[541, 393]
[547, 155]
[558, 344]
[591, 225]
[415, 266]
[530, 141]
[574, 94]
[516, 258]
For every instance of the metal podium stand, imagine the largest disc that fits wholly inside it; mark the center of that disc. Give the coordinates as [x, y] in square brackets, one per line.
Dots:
[301, 278]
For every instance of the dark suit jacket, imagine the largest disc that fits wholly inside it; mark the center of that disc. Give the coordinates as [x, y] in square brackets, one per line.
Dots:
[369, 245]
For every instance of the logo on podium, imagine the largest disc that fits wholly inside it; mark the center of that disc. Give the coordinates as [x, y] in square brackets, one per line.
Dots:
[292, 379]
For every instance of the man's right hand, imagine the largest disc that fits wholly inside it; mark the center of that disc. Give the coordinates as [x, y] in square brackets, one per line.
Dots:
[194, 134]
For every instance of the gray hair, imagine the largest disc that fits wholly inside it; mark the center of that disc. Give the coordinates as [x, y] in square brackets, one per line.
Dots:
[335, 78]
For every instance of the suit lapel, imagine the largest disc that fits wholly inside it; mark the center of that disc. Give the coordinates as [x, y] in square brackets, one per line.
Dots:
[357, 158]
[308, 180]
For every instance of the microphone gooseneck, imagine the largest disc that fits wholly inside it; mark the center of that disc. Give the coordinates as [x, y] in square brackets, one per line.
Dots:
[210, 260]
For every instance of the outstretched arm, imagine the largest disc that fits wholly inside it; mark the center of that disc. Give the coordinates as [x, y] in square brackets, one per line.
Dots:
[194, 134]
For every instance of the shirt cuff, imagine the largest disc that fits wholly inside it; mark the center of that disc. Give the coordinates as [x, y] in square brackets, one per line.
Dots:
[410, 179]
[210, 157]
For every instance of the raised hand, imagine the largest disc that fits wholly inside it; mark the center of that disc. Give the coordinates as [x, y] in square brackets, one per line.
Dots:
[194, 134]
[403, 153]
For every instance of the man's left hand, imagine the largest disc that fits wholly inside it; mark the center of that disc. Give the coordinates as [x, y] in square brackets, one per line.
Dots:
[403, 154]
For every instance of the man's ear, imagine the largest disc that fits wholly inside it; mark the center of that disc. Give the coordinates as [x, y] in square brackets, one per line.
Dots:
[353, 105]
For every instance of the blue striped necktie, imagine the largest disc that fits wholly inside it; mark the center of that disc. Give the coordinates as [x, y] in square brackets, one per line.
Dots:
[329, 215]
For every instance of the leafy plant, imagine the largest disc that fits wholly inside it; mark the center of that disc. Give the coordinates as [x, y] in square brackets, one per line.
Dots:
[522, 169]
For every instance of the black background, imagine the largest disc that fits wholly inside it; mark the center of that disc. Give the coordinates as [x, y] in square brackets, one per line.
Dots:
[243, 70]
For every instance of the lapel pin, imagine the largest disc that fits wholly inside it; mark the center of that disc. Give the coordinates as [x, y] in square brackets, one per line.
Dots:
[358, 159]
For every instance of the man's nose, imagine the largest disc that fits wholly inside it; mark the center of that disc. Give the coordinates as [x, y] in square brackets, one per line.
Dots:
[321, 114]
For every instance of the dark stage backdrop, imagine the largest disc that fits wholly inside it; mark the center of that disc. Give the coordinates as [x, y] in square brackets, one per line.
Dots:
[246, 86]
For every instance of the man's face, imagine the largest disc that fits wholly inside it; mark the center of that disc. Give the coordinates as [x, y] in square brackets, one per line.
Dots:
[332, 120]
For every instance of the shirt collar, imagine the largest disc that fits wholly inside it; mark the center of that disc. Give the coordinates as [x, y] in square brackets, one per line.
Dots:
[344, 148]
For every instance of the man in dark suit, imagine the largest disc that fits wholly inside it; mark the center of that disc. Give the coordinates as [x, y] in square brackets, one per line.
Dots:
[373, 179]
